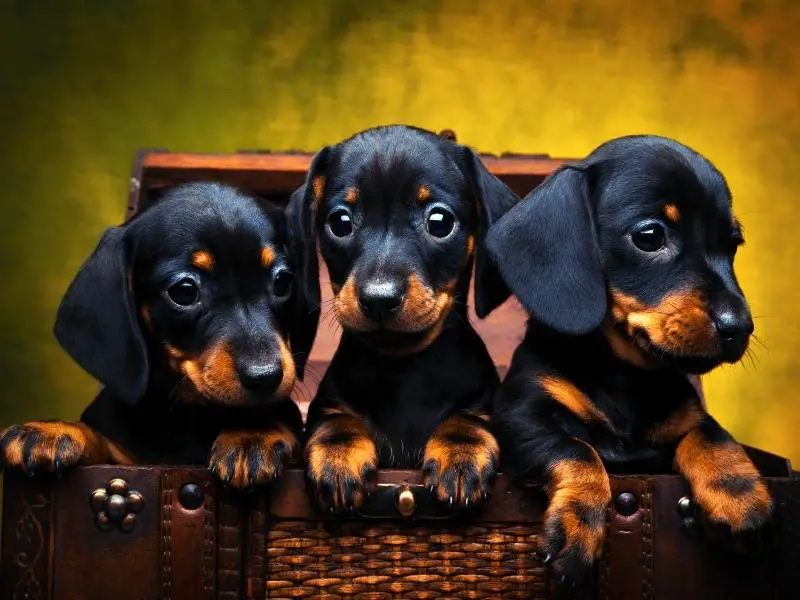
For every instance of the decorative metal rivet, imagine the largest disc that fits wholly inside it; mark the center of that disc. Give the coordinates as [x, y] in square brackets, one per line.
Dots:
[685, 507]
[115, 505]
[135, 502]
[626, 504]
[98, 500]
[191, 496]
[128, 522]
[103, 522]
[405, 502]
[691, 527]
[118, 486]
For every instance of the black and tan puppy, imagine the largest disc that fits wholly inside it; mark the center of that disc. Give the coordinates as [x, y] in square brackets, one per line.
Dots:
[399, 216]
[625, 264]
[186, 314]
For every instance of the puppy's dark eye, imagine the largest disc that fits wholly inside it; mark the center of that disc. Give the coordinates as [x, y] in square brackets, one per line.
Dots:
[340, 223]
[282, 284]
[649, 237]
[440, 222]
[184, 293]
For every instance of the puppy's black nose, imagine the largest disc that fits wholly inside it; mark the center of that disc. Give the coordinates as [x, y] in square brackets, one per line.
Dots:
[260, 376]
[734, 328]
[380, 299]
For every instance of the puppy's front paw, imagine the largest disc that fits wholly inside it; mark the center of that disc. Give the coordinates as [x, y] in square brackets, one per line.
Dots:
[45, 446]
[575, 521]
[342, 467]
[741, 504]
[727, 487]
[244, 459]
[460, 463]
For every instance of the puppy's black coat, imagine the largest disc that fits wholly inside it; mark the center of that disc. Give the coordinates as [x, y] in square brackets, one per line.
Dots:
[625, 264]
[185, 314]
[399, 216]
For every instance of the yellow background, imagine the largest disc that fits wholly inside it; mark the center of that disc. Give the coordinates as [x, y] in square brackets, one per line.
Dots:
[83, 84]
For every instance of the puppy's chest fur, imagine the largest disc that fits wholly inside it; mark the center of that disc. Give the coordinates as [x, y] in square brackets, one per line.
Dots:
[627, 403]
[157, 432]
[404, 399]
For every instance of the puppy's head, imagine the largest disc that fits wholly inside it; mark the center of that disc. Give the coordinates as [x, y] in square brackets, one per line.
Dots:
[398, 214]
[638, 239]
[196, 294]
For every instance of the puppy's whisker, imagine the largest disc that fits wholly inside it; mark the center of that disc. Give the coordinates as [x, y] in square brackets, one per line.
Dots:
[759, 341]
[751, 354]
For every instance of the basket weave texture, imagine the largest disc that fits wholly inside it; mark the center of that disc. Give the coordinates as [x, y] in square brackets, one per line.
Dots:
[386, 560]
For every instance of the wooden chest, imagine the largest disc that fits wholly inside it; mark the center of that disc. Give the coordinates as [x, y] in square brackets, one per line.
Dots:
[189, 538]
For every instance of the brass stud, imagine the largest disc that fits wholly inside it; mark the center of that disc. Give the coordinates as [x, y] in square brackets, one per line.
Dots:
[405, 502]
[116, 505]
[626, 504]
[128, 522]
[118, 486]
[135, 502]
[103, 522]
[685, 507]
[98, 500]
[191, 496]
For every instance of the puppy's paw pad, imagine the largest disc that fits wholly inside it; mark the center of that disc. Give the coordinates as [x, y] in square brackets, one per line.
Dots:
[42, 446]
[247, 459]
[342, 475]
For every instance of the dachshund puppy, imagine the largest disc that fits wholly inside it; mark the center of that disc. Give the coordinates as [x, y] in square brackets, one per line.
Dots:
[399, 215]
[625, 263]
[186, 314]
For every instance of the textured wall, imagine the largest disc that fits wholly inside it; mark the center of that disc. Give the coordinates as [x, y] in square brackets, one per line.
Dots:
[84, 83]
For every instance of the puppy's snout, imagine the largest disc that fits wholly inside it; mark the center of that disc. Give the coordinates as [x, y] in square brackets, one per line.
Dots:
[735, 328]
[260, 376]
[379, 300]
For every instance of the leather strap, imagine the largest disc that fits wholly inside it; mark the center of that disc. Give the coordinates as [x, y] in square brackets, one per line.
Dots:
[626, 571]
[188, 535]
[256, 543]
[229, 546]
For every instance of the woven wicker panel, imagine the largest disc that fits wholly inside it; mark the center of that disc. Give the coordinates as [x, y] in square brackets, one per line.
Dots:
[389, 559]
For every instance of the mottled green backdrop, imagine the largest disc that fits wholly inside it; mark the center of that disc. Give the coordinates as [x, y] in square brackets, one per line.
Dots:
[84, 83]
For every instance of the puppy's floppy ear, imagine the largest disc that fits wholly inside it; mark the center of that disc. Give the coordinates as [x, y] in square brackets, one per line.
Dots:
[495, 199]
[546, 250]
[97, 324]
[301, 218]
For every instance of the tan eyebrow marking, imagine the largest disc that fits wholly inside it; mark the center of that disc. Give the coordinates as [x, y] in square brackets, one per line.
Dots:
[203, 260]
[672, 213]
[267, 257]
[423, 194]
[351, 196]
